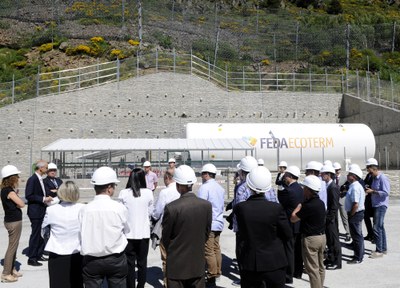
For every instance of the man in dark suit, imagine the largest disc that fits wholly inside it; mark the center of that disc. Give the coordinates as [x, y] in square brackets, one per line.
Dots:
[35, 193]
[186, 226]
[289, 198]
[263, 228]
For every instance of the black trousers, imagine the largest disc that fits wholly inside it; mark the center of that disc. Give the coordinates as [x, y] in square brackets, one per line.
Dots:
[136, 252]
[333, 243]
[293, 250]
[112, 268]
[65, 271]
[187, 283]
[36, 242]
[368, 214]
[271, 279]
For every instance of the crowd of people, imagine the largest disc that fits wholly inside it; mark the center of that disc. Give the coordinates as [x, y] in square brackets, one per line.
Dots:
[279, 233]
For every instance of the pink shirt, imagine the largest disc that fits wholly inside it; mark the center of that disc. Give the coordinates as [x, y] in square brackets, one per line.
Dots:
[151, 178]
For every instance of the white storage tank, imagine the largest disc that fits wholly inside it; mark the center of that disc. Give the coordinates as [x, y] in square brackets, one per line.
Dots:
[296, 144]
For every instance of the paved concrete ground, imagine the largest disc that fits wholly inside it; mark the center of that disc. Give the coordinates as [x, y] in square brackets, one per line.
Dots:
[375, 273]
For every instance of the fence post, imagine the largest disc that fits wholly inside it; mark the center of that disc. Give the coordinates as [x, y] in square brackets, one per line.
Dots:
[358, 84]
[310, 78]
[174, 54]
[59, 82]
[379, 89]
[191, 61]
[393, 35]
[392, 90]
[156, 59]
[13, 90]
[326, 80]
[294, 80]
[348, 47]
[277, 79]
[137, 66]
[98, 71]
[209, 69]
[297, 40]
[244, 81]
[118, 71]
[37, 82]
[79, 77]
[368, 86]
[259, 74]
[226, 77]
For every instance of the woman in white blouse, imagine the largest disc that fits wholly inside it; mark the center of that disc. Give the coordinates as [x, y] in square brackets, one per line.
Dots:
[139, 202]
[65, 261]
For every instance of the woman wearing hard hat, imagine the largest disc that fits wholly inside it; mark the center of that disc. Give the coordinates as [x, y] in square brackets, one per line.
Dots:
[12, 205]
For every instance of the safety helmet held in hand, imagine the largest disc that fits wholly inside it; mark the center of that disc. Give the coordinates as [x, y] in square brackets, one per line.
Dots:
[52, 166]
[371, 161]
[185, 175]
[356, 170]
[247, 163]
[104, 175]
[210, 168]
[312, 182]
[294, 170]
[327, 169]
[9, 170]
[259, 179]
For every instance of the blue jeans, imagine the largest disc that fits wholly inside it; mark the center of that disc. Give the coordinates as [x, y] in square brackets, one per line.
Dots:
[356, 234]
[379, 228]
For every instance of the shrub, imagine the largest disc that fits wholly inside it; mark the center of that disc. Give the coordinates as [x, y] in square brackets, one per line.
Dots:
[133, 42]
[45, 47]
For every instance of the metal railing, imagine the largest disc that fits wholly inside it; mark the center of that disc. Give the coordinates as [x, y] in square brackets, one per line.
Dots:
[369, 88]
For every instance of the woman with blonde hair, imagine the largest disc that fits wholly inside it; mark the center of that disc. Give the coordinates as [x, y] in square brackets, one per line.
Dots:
[12, 205]
[65, 261]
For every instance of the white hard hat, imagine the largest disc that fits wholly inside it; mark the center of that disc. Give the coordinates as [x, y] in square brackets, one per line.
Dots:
[327, 169]
[52, 166]
[146, 164]
[337, 166]
[328, 162]
[371, 161]
[259, 179]
[9, 170]
[185, 175]
[356, 170]
[282, 164]
[314, 165]
[312, 182]
[247, 163]
[260, 162]
[209, 168]
[104, 175]
[172, 160]
[294, 170]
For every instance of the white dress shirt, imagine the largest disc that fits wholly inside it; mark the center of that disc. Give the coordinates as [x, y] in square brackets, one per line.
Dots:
[64, 228]
[103, 225]
[167, 195]
[139, 212]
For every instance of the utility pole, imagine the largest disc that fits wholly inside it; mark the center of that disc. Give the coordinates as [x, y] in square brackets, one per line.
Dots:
[139, 4]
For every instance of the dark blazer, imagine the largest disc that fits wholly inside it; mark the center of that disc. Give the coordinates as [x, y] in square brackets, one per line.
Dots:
[333, 202]
[186, 226]
[34, 195]
[289, 198]
[49, 185]
[263, 227]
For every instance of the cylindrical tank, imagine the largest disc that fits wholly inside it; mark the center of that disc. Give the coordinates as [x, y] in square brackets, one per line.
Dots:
[296, 144]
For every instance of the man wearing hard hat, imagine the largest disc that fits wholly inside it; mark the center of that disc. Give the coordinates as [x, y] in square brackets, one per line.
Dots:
[263, 228]
[312, 228]
[151, 177]
[103, 225]
[52, 182]
[279, 178]
[354, 205]
[211, 191]
[186, 225]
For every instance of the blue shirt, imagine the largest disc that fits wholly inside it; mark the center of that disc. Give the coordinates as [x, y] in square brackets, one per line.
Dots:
[214, 193]
[270, 195]
[355, 194]
[381, 186]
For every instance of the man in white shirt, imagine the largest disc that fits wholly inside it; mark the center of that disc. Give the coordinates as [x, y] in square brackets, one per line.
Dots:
[166, 196]
[103, 225]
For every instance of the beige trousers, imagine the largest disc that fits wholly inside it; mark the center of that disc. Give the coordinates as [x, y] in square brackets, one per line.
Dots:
[14, 234]
[213, 255]
[313, 256]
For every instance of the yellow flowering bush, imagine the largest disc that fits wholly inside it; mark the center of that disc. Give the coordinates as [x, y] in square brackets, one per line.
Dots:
[133, 42]
[265, 62]
[97, 39]
[19, 64]
[45, 47]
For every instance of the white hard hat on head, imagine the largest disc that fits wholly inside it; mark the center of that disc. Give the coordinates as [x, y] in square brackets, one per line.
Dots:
[185, 175]
[260, 162]
[371, 161]
[328, 162]
[356, 170]
[210, 168]
[171, 160]
[294, 170]
[52, 166]
[314, 165]
[259, 179]
[146, 164]
[104, 175]
[327, 169]
[247, 163]
[312, 182]
[337, 166]
[282, 164]
[9, 170]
